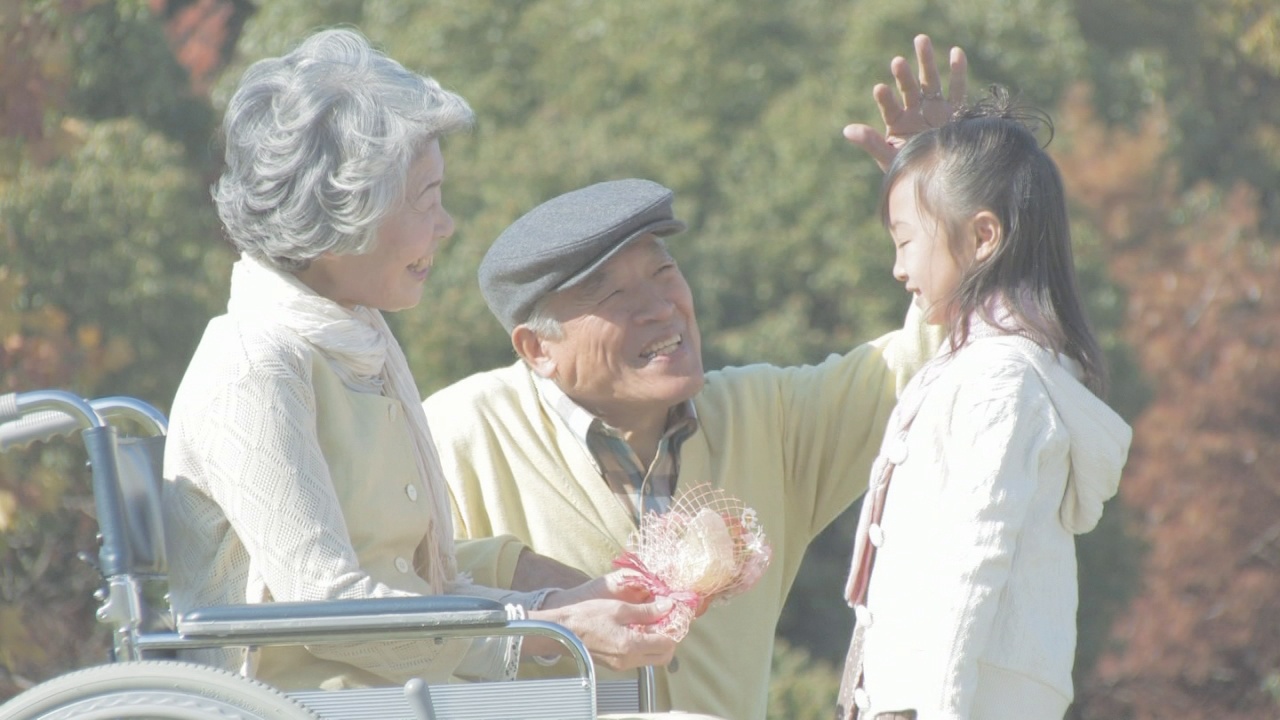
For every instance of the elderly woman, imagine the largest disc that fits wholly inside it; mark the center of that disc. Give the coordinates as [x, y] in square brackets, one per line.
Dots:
[299, 463]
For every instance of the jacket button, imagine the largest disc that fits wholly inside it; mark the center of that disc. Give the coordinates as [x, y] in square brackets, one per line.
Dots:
[875, 534]
[896, 451]
[402, 565]
[861, 699]
[412, 492]
[862, 614]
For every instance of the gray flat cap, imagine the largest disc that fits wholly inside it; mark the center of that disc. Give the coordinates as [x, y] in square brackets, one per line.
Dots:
[559, 243]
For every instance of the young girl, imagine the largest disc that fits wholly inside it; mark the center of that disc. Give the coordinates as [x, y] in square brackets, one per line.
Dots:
[964, 572]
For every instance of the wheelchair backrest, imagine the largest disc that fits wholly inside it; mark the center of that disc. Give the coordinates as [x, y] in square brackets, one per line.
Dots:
[140, 461]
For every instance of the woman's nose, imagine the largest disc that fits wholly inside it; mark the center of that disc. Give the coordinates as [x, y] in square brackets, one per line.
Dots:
[445, 227]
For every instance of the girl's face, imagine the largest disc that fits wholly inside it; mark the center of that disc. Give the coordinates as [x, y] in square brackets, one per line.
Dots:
[924, 260]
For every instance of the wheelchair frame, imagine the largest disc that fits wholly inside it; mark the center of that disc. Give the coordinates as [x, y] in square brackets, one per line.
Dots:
[142, 680]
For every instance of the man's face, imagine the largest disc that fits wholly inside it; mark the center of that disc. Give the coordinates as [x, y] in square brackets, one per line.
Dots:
[630, 346]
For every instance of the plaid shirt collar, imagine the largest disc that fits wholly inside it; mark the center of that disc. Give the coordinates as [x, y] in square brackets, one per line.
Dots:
[581, 422]
[640, 489]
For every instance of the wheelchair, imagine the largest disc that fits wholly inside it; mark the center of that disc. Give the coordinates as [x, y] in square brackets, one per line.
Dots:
[143, 678]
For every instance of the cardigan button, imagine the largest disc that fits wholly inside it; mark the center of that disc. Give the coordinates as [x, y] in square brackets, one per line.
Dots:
[875, 534]
[412, 491]
[402, 565]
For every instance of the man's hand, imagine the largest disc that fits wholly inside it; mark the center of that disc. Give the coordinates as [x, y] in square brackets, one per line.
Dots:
[614, 631]
[921, 107]
[617, 585]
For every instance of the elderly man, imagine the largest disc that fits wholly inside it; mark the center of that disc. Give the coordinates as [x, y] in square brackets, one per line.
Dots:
[608, 413]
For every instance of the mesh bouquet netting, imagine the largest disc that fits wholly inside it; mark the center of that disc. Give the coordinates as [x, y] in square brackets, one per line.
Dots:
[708, 547]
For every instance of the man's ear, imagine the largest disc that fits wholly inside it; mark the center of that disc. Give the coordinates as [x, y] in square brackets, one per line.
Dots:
[988, 234]
[533, 351]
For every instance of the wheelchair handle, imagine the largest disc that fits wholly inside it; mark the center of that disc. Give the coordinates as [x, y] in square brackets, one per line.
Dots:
[43, 415]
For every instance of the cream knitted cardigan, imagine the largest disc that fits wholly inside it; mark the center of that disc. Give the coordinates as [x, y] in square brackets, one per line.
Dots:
[255, 512]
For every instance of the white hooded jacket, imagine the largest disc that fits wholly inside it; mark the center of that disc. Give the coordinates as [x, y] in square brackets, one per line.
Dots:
[1001, 456]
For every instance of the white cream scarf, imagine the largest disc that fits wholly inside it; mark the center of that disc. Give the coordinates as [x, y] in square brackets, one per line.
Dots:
[366, 356]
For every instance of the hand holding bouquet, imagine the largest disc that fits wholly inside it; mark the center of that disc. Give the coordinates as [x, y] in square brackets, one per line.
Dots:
[708, 547]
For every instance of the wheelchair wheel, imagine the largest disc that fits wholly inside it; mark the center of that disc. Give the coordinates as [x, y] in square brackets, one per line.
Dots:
[166, 689]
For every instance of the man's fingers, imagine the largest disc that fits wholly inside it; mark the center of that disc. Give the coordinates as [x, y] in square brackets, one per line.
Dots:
[908, 86]
[959, 78]
[888, 103]
[870, 140]
[648, 613]
[645, 648]
[930, 83]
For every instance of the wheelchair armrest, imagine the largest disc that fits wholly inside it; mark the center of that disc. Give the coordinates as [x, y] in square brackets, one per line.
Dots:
[339, 621]
[343, 617]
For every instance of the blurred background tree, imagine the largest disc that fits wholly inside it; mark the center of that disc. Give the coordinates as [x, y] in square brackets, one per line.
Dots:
[111, 267]
[114, 260]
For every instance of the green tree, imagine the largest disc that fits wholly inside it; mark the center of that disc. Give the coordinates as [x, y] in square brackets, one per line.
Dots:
[112, 266]
[1215, 66]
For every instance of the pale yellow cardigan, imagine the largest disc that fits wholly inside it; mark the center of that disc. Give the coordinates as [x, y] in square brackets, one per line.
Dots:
[794, 443]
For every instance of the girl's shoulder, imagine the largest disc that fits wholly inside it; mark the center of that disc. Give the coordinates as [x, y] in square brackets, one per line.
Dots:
[1003, 354]
[1004, 366]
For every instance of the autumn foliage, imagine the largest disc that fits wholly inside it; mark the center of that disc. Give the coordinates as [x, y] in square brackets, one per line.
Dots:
[1201, 638]
[112, 261]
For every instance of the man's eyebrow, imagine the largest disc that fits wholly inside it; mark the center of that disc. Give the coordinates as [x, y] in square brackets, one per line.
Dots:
[594, 282]
[598, 279]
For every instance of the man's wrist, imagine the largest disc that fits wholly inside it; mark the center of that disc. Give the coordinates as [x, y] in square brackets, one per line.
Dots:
[535, 572]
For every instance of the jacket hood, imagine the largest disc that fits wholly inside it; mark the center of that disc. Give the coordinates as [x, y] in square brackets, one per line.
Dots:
[1099, 446]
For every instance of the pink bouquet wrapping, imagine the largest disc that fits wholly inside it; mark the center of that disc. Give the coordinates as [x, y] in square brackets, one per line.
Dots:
[708, 547]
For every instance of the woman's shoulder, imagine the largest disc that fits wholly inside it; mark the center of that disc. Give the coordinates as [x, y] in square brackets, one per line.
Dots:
[253, 344]
[234, 353]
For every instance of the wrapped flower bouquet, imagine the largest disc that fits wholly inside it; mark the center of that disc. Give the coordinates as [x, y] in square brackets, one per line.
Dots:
[708, 547]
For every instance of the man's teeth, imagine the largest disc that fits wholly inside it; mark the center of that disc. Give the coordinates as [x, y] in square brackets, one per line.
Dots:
[662, 348]
[423, 264]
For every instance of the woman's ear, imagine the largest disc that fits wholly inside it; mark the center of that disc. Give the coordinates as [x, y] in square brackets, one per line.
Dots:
[533, 351]
[988, 234]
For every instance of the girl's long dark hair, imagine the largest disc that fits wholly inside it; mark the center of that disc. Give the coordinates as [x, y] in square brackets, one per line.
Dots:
[987, 158]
